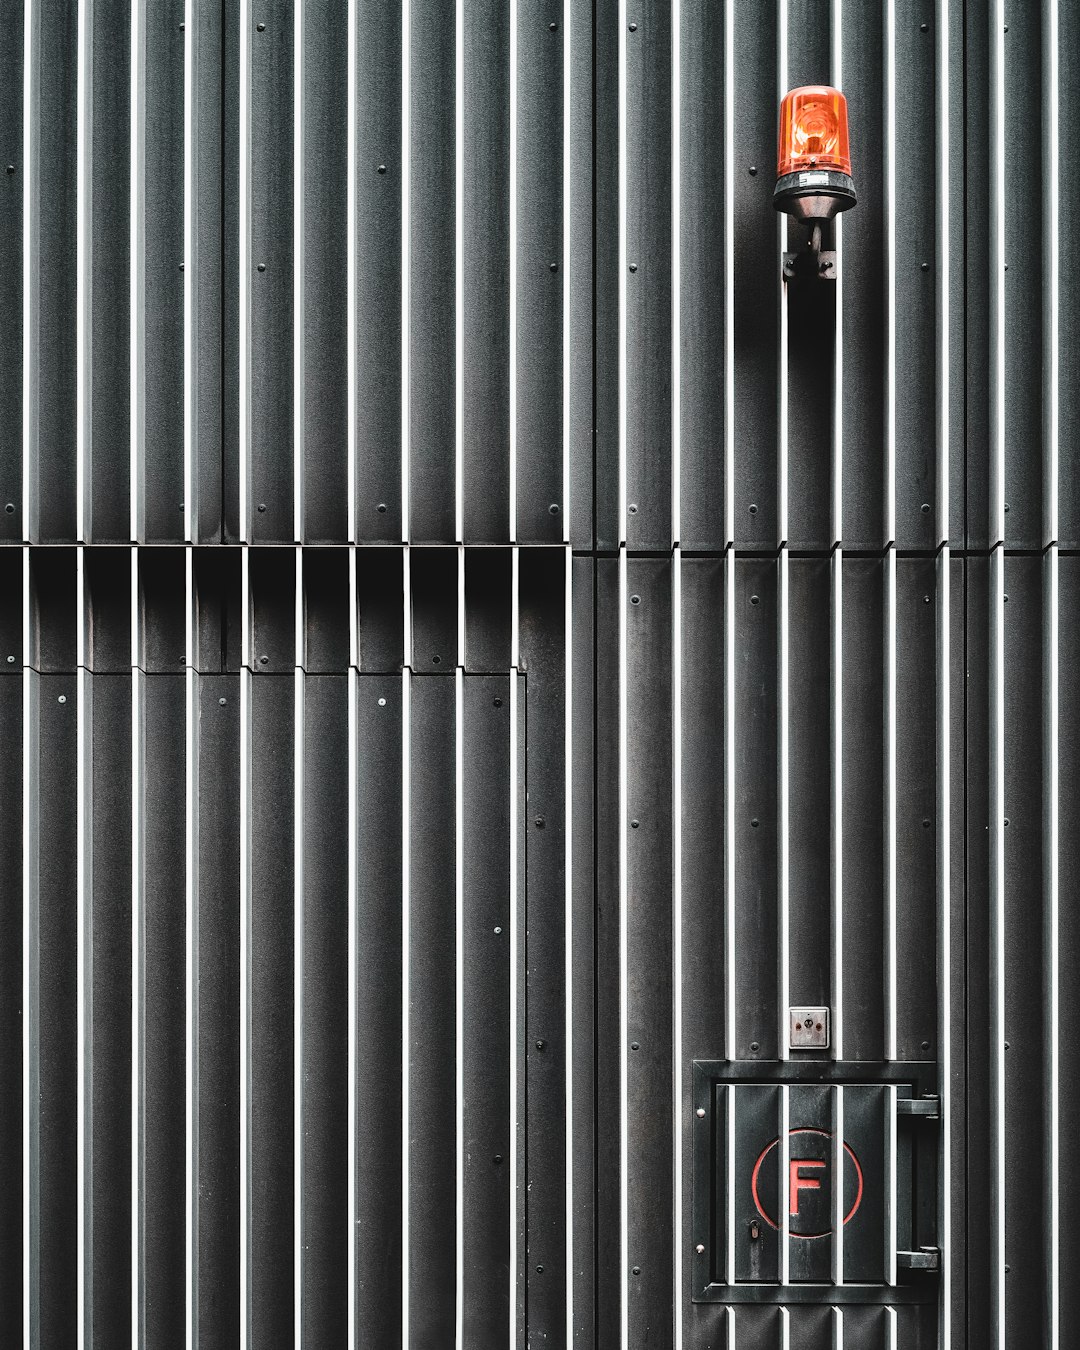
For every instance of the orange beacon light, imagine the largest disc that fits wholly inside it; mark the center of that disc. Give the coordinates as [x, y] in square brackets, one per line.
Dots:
[813, 161]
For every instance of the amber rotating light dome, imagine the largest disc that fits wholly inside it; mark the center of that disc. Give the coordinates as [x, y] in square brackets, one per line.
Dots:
[813, 162]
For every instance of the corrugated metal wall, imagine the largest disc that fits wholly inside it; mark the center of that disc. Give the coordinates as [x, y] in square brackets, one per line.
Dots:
[476, 643]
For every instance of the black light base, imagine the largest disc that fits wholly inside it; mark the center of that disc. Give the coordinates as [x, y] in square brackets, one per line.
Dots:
[814, 194]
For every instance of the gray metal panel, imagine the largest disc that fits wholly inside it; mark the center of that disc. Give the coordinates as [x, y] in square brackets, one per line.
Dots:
[268, 218]
[540, 154]
[755, 296]
[649, 936]
[647, 449]
[703, 299]
[325, 385]
[432, 308]
[379, 864]
[49, 240]
[216, 1071]
[106, 368]
[485, 994]
[379, 175]
[323, 1071]
[49, 1003]
[12, 211]
[432, 1033]
[270, 1140]
[159, 989]
[11, 999]
[608, 527]
[542, 845]
[160, 276]
[486, 272]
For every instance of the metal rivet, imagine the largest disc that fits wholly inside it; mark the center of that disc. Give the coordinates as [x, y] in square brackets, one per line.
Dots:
[553, 27]
[925, 508]
[635, 599]
[632, 508]
[633, 267]
[753, 508]
[754, 600]
[539, 822]
[633, 28]
[497, 702]
[1006, 29]
[262, 506]
[924, 28]
[1006, 506]
[261, 267]
[926, 267]
[540, 1045]
[699, 1248]
[700, 1113]
[637, 1270]
[11, 168]
[436, 660]
[264, 660]
[10, 508]
[634, 824]
[381, 508]
[381, 168]
[1006, 1045]
[11, 660]
[498, 1157]
[926, 822]
[553, 267]
[223, 701]
[382, 703]
[1005, 599]
[553, 509]
[496, 931]
[1006, 267]
[62, 698]
[1007, 1268]
[753, 170]
[260, 27]
[634, 1045]
[754, 1047]
[1006, 822]
[926, 1045]
[539, 1270]
[181, 267]
[754, 823]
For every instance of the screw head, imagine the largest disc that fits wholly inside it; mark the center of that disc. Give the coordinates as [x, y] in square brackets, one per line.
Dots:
[11, 660]
[926, 1045]
[700, 1113]
[553, 509]
[382, 703]
[540, 1045]
[260, 27]
[634, 1045]
[62, 698]
[498, 1157]
[924, 28]
[264, 660]
[10, 508]
[754, 1047]
[261, 267]
[753, 508]
[539, 1270]
[637, 1270]
[11, 168]
[223, 701]
[381, 508]
[553, 267]
[539, 822]
[635, 599]
[755, 600]
[381, 168]
[633, 28]
[926, 267]
[634, 824]
[261, 506]
[754, 822]
[699, 1248]
[632, 508]
[752, 171]
[496, 931]
[497, 702]
[553, 27]
[633, 267]
[925, 508]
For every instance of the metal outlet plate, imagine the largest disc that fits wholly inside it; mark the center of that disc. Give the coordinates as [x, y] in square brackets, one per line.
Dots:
[808, 1029]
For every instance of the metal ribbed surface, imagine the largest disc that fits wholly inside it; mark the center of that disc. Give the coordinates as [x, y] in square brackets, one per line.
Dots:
[368, 885]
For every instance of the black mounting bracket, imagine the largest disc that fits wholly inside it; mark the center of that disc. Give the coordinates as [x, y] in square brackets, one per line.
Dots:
[812, 261]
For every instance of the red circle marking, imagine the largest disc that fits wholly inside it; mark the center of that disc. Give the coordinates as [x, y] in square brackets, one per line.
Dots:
[765, 1153]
